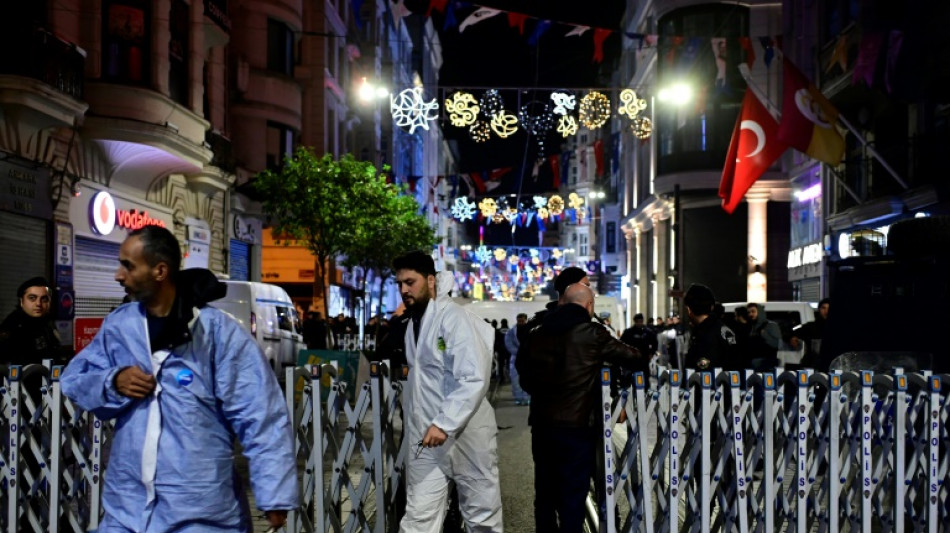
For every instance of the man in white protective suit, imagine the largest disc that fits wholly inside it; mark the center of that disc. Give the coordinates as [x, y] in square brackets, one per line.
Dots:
[450, 424]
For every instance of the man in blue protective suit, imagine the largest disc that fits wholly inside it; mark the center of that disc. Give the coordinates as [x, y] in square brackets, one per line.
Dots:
[450, 423]
[182, 381]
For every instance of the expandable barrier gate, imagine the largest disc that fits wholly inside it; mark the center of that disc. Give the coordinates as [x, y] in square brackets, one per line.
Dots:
[790, 451]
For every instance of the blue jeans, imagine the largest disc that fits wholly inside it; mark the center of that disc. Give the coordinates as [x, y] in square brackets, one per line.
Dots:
[517, 392]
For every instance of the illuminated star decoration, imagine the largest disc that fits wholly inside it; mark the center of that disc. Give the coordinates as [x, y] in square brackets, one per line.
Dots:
[410, 109]
[463, 109]
[556, 253]
[540, 201]
[631, 105]
[566, 126]
[563, 103]
[538, 124]
[480, 131]
[595, 110]
[491, 103]
[463, 209]
[504, 124]
[482, 254]
[488, 207]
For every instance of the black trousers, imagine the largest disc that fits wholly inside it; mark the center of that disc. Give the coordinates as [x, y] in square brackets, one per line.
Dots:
[564, 461]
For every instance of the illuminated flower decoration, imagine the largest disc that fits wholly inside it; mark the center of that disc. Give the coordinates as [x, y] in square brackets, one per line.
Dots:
[642, 128]
[563, 102]
[540, 201]
[566, 126]
[463, 109]
[488, 207]
[463, 209]
[410, 110]
[491, 103]
[482, 254]
[536, 119]
[510, 214]
[480, 131]
[535, 260]
[498, 218]
[556, 205]
[555, 253]
[575, 201]
[504, 124]
[543, 213]
[594, 110]
[500, 254]
[630, 104]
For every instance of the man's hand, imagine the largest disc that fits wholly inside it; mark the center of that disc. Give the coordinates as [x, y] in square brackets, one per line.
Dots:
[434, 437]
[131, 381]
[276, 519]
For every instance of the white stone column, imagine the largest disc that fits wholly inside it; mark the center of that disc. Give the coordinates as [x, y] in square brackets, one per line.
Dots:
[662, 254]
[633, 290]
[161, 11]
[757, 247]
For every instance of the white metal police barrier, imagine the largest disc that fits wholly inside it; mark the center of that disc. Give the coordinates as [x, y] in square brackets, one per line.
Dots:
[790, 451]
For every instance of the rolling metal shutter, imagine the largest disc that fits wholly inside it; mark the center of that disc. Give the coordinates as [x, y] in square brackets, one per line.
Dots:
[811, 290]
[97, 292]
[239, 260]
[24, 253]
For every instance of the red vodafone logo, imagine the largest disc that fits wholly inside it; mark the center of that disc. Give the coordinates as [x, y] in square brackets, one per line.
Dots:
[105, 217]
[102, 213]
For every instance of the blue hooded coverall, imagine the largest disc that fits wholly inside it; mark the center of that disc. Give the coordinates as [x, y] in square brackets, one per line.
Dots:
[176, 472]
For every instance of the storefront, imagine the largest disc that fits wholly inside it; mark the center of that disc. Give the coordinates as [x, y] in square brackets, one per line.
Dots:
[806, 254]
[101, 220]
[244, 248]
[25, 213]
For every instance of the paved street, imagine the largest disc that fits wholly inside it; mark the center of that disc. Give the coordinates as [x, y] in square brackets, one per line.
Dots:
[517, 470]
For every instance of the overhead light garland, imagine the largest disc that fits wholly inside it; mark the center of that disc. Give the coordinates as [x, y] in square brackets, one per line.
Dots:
[499, 210]
[491, 103]
[642, 127]
[594, 110]
[463, 109]
[480, 131]
[536, 119]
[463, 209]
[567, 126]
[410, 110]
[488, 207]
[504, 124]
[630, 104]
[563, 103]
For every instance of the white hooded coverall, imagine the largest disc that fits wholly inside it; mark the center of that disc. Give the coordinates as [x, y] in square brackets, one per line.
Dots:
[449, 374]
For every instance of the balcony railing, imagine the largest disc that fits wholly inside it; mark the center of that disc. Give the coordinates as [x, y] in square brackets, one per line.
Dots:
[41, 55]
[223, 151]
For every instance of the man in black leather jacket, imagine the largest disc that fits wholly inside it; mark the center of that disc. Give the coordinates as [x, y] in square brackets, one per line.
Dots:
[561, 369]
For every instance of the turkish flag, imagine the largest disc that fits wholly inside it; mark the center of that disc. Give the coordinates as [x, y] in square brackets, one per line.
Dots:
[753, 149]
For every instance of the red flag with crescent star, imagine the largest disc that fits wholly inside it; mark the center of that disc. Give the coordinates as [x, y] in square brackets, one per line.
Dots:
[753, 149]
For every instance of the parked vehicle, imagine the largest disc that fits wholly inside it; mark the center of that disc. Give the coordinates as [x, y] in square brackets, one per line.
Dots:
[268, 313]
[788, 316]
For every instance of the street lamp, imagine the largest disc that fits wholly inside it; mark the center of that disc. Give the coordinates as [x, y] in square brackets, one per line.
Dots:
[370, 91]
[677, 93]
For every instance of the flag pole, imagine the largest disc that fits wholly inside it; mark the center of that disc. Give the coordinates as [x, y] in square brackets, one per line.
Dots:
[777, 114]
[872, 151]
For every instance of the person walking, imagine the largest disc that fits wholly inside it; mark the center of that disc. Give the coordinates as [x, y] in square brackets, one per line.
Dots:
[560, 367]
[512, 343]
[182, 380]
[450, 423]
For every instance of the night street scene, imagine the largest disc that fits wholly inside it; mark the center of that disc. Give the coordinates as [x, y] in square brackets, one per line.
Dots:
[429, 266]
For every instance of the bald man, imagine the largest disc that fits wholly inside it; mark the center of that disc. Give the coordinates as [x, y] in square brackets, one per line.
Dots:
[561, 370]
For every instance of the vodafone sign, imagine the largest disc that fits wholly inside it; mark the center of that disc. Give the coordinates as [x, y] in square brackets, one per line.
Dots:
[105, 216]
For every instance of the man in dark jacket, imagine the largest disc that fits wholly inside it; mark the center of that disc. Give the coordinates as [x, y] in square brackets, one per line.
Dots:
[560, 367]
[640, 336]
[27, 335]
[712, 344]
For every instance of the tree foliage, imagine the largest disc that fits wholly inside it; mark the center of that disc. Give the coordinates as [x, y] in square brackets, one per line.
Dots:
[342, 208]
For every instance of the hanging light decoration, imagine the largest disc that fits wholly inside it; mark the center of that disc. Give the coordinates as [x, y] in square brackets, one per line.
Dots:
[504, 124]
[594, 110]
[510, 214]
[630, 104]
[537, 120]
[498, 217]
[463, 209]
[555, 205]
[567, 126]
[491, 103]
[563, 103]
[575, 201]
[410, 110]
[642, 128]
[480, 131]
[543, 213]
[488, 207]
[500, 254]
[462, 108]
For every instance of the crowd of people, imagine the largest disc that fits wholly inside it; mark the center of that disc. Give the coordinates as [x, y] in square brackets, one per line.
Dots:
[166, 357]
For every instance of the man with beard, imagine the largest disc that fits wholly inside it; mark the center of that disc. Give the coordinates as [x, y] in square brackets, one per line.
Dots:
[450, 424]
[182, 380]
[27, 335]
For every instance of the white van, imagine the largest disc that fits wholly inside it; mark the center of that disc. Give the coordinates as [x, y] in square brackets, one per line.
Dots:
[788, 316]
[268, 313]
